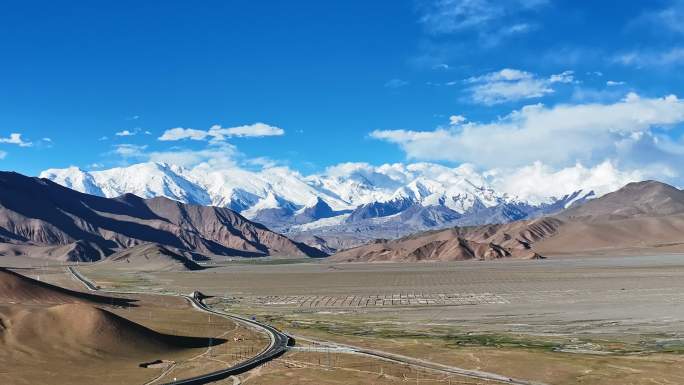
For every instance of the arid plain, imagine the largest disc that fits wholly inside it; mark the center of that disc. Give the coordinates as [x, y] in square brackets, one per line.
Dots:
[562, 320]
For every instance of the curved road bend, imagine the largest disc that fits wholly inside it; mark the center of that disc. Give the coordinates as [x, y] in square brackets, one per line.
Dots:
[278, 341]
[279, 344]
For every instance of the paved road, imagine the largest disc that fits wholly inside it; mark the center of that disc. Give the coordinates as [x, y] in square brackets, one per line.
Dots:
[85, 281]
[278, 341]
[350, 349]
[277, 346]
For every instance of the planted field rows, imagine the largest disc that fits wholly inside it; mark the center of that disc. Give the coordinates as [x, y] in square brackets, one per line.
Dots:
[401, 299]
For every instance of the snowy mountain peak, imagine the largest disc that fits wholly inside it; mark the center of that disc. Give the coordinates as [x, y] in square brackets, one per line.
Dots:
[353, 192]
[74, 178]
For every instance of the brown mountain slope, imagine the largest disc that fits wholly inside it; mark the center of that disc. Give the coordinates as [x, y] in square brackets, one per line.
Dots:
[631, 235]
[640, 216]
[456, 244]
[82, 329]
[153, 257]
[16, 288]
[37, 212]
[639, 199]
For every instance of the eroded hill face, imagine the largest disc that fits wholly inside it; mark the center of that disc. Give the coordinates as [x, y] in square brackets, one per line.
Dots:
[641, 216]
[511, 240]
[38, 214]
[153, 257]
[19, 289]
[49, 334]
[80, 329]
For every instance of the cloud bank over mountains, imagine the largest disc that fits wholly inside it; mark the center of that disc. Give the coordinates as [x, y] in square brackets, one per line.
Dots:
[631, 132]
[344, 186]
[533, 153]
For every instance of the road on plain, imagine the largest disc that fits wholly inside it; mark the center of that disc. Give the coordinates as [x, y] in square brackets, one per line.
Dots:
[280, 343]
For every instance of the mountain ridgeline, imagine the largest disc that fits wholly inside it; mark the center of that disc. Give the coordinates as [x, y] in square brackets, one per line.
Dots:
[343, 207]
[640, 217]
[44, 219]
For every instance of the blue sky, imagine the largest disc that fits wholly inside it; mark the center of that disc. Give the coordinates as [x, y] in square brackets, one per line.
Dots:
[498, 84]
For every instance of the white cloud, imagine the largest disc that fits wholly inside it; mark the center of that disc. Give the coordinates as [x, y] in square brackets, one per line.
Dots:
[537, 182]
[130, 150]
[47, 140]
[263, 162]
[217, 133]
[506, 74]
[558, 135]
[180, 133]
[344, 170]
[396, 83]
[15, 138]
[216, 155]
[667, 58]
[492, 21]
[563, 77]
[456, 119]
[219, 156]
[613, 83]
[133, 132]
[515, 28]
[251, 130]
[597, 95]
[509, 85]
[449, 16]
[534, 182]
[669, 18]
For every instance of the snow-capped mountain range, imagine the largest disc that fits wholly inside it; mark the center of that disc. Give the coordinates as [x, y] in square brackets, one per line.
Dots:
[348, 197]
